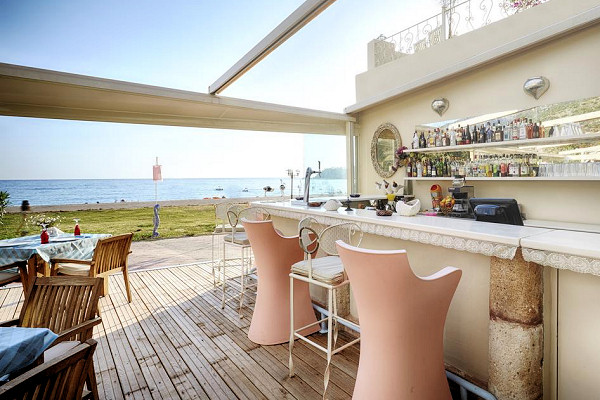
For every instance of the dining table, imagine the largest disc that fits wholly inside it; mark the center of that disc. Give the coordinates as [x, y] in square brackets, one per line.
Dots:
[21, 347]
[31, 257]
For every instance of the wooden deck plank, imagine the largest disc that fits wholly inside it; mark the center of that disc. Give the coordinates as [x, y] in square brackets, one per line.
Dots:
[159, 382]
[174, 341]
[180, 330]
[338, 380]
[133, 382]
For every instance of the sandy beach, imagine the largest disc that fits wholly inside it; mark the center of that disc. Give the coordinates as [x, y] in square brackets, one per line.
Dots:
[132, 205]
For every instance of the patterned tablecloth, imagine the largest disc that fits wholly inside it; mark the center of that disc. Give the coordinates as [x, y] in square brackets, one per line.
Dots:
[63, 246]
[19, 347]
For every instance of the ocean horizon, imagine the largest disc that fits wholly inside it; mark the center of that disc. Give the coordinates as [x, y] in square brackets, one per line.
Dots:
[41, 192]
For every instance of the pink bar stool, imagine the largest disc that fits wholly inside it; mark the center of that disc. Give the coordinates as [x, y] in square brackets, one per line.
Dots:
[402, 320]
[274, 255]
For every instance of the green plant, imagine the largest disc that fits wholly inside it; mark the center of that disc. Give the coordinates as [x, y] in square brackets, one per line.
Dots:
[4, 202]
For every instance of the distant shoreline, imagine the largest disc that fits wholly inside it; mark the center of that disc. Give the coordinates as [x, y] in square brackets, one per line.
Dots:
[141, 204]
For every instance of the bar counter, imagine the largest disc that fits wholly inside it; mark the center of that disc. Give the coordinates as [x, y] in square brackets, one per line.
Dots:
[504, 319]
[580, 251]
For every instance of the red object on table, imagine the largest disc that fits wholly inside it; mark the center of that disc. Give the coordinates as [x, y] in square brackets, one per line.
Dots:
[77, 231]
[44, 236]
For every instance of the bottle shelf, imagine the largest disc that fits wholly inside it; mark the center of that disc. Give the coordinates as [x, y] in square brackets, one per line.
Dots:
[531, 143]
[512, 178]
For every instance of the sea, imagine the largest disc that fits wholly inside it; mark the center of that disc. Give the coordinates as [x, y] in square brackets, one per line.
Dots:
[91, 191]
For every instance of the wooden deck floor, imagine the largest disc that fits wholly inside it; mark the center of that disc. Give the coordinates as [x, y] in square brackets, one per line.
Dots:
[174, 341]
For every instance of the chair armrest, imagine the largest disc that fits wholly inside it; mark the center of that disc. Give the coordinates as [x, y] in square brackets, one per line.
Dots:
[79, 328]
[10, 322]
[440, 274]
[70, 260]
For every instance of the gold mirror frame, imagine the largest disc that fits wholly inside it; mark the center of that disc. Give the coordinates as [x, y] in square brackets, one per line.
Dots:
[377, 164]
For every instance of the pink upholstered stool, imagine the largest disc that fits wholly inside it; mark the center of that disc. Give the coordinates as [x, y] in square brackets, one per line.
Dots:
[274, 255]
[402, 320]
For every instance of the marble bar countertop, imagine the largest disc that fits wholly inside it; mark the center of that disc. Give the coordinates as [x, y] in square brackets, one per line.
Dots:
[460, 234]
[557, 248]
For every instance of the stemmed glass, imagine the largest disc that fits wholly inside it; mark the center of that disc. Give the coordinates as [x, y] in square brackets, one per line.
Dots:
[76, 231]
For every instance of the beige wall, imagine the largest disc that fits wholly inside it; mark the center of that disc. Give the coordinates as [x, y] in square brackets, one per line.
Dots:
[571, 64]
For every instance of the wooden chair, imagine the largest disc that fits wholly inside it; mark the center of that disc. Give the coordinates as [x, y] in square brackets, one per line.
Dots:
[402, 320]
[60, 378]
[110, 256]
[66, 306]
[9, 275]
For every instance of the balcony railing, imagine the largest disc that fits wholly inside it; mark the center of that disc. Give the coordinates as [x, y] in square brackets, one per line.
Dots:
[453, 20]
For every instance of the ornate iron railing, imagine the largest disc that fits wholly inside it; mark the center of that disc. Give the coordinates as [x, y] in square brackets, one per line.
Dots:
[454, 20]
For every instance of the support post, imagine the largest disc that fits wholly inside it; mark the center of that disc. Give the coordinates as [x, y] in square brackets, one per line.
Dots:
[516, 329]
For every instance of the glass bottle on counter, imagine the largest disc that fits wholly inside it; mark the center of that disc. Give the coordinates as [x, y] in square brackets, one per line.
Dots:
[422, 142]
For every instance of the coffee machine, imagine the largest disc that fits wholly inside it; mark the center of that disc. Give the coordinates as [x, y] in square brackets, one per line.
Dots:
[461, 194]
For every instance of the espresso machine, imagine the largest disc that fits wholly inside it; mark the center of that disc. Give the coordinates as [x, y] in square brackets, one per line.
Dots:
[461, 194]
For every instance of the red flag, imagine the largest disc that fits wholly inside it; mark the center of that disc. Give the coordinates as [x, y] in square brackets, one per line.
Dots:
[156, 173]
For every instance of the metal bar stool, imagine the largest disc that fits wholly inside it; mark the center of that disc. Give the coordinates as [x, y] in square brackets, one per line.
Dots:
[222, 227]
[240, 241]
[326, 272]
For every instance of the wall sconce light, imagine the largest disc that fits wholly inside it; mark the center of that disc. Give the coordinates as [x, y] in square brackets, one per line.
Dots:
[440, 105]
[536, 86]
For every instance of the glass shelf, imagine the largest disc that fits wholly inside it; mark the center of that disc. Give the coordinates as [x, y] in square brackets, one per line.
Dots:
[520, 144]
[512, 178]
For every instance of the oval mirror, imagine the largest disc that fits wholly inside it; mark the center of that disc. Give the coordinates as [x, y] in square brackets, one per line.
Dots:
[383, 149]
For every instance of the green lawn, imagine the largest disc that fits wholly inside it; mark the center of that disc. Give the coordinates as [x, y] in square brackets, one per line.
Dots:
[174, 222]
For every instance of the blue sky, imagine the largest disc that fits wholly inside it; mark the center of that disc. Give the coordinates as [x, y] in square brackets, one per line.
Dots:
[187, 44]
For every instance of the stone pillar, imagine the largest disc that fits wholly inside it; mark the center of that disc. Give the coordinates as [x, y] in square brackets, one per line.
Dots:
[516, 329]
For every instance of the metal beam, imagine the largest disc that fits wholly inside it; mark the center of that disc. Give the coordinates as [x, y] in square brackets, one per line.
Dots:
[293, 23]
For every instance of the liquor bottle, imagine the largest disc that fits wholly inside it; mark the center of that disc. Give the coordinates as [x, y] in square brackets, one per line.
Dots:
[430, 139]
[468, 136]
[409, 166]
[447, 137]
[438, 138]
[482, 136]
[452, 137]
[429, 168]
[514, 169]
[414, 169]
[541, 128]
[496, 168]
[489, 133]
[535, 165]
[419, 169]
[498, 134]
[434, 171]
[506, 135]
[415, 141]
[459, 136]
[525, 166]
[422, 142]
[515, 130]
[503, 167]
[529, 129]
[522, 130]
[536, 131]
